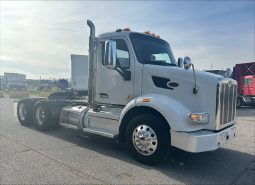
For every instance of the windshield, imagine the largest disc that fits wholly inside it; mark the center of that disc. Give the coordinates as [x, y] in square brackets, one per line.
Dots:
[247, 81]
[151, 50]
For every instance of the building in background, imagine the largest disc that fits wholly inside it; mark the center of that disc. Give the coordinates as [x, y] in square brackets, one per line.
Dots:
[2, 83]
[47, 85]
[15, 81]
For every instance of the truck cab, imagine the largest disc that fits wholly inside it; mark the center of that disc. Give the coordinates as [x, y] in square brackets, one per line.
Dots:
[247, 85]
[152, 71]
[139, 95]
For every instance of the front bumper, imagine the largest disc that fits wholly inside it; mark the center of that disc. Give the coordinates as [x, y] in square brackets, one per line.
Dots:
[203, 140]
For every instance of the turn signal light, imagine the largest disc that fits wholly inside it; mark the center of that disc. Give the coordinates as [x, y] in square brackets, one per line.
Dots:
[146, 100]
[199, 117]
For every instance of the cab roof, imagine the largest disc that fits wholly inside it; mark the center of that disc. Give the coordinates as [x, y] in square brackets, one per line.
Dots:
[123, 34]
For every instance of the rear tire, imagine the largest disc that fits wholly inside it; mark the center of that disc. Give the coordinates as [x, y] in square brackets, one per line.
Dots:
[25, 112]
[42, 117]
[148, 139]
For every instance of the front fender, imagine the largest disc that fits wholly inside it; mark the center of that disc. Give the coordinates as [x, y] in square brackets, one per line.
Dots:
[174, 112]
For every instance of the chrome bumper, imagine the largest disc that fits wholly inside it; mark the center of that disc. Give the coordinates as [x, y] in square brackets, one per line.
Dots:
[203, 140]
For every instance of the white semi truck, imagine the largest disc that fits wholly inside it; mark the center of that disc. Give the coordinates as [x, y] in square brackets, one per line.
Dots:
[139, 95]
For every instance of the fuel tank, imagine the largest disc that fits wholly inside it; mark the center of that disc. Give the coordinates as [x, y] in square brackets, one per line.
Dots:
[73, 114]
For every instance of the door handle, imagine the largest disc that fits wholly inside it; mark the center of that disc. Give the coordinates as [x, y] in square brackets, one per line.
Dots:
[103, 95]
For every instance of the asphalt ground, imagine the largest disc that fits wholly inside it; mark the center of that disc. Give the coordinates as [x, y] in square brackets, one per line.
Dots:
[28, 156]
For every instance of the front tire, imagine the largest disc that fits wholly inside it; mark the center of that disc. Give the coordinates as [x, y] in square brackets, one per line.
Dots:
[148, 139]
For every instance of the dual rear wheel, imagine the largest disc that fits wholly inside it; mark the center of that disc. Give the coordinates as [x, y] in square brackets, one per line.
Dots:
[37, 113]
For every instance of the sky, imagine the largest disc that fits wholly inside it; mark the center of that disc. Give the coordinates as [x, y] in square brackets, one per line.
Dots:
[38, 37]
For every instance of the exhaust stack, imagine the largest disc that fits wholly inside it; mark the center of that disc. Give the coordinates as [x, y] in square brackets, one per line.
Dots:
[91, 84]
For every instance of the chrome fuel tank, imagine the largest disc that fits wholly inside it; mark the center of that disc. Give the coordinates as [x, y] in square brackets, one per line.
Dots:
[73, 115]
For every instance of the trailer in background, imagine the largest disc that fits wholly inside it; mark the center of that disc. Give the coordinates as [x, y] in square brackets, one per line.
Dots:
[79, 72]
[79, 80]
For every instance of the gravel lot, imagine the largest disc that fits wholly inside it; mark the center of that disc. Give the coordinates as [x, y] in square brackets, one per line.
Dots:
[28, 156]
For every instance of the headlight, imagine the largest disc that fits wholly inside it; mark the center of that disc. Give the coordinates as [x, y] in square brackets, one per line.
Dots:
[199, 117]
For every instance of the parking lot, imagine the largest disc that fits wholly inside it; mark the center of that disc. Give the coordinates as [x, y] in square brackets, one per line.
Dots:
[28, 156]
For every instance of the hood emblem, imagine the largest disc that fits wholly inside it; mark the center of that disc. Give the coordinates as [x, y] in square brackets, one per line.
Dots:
[164, 83]
[172, 84]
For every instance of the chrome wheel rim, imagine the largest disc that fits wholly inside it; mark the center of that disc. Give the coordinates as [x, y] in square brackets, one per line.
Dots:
[22, 111]
[145, 140]
[40, 115]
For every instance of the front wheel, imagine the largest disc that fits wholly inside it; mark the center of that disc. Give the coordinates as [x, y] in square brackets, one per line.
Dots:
[148, 139]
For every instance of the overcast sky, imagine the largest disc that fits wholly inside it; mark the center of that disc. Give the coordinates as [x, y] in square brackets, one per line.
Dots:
[37, 38]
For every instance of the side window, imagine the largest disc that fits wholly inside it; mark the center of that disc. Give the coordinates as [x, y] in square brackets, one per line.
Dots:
[160, 57]
[123, 58]
[122, 54]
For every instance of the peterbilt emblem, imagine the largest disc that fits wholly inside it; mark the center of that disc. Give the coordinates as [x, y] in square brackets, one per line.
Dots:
[164, 83]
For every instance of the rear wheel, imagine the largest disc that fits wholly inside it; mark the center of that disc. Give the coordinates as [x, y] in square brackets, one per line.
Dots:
[42, 116]
[148, 139]
[25, 112]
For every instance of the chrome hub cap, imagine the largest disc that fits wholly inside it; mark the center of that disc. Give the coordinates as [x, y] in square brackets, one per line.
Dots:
[22, 111]
[145, 140]
[40, 115]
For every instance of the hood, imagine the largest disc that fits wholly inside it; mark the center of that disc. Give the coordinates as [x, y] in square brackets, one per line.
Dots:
[180, 84]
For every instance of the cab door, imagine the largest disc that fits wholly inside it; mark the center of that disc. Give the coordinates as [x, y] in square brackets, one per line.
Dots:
[112, 88]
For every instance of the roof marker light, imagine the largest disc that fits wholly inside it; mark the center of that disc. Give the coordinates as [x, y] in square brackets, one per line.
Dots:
[147, 32]
[126, 29]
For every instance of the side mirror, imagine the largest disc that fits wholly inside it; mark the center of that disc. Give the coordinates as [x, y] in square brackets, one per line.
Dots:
[180, 62]
[187, 63]
[110, 54]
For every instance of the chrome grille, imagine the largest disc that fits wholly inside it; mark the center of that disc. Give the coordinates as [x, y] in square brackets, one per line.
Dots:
[226, 102]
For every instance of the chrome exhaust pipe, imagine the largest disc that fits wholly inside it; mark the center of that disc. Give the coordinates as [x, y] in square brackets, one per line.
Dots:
[91, 84]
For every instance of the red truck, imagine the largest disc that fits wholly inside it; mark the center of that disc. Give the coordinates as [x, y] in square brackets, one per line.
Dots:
[244, 74]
